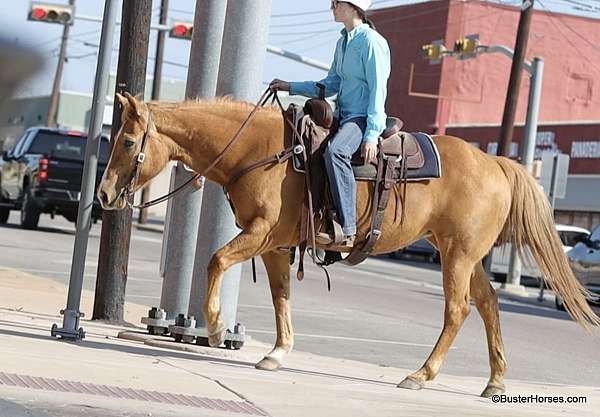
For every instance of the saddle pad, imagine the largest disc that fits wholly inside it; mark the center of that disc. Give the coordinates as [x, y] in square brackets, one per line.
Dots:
[430, 170]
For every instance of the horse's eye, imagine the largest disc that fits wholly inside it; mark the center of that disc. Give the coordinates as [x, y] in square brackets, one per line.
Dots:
[128, 143]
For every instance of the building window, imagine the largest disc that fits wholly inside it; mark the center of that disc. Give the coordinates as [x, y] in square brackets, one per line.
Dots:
[579, 88]
[585, 149]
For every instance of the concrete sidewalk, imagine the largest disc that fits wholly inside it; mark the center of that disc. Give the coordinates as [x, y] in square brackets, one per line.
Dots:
[109, 376]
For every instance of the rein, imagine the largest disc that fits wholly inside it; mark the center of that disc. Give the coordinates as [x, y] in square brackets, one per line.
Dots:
[280, 157]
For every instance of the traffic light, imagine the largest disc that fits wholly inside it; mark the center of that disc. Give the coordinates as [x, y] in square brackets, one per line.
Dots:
[434, 51]
[51, 13]
[181, 30]
[466, 47]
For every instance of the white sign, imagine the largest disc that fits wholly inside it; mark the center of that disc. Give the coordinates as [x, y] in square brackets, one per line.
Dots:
[585, 149]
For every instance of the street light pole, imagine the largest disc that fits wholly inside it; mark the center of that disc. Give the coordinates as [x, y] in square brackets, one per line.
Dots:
[184, 216]
[71, 314]
[240, 72]
[513, 278]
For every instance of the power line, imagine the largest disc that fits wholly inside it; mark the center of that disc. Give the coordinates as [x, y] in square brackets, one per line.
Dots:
[553, 18]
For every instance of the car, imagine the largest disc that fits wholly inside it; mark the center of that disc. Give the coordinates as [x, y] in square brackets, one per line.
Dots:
[569, 235]
[42, 174]
[584, 259]
[421, 248]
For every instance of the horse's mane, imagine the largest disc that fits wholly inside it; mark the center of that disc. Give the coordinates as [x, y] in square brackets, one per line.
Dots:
[225, 103]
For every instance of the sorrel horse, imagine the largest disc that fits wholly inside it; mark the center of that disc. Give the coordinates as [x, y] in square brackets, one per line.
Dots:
[480, 200]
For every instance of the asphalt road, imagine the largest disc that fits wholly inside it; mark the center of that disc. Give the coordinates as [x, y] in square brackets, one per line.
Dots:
[384, 311]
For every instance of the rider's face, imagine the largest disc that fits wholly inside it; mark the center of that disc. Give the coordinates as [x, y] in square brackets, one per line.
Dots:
[342, 11]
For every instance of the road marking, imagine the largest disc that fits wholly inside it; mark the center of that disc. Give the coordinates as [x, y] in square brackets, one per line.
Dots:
[352, 339]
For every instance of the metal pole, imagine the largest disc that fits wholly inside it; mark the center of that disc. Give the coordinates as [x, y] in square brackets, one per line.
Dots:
[512, 96]
[156, 81]
[62, 55]
[116, 225]
[240, 74]
[183, 221]
[88, 182]
[513, 279]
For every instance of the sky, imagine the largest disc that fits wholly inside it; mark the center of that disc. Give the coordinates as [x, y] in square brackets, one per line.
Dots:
[305, 27]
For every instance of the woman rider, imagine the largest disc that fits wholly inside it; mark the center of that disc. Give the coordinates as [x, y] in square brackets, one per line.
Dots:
[358, 75]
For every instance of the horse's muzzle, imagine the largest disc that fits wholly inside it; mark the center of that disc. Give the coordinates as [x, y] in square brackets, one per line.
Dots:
[111, 200]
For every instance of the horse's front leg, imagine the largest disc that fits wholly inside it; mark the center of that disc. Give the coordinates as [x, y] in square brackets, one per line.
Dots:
[278, 269]
[244, 246]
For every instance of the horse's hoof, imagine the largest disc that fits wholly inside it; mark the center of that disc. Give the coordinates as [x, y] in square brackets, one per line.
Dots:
[216, 339]
[493, 389]
[268, 364]
[410, 383]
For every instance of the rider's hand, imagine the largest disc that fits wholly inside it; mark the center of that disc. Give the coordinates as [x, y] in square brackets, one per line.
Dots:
[279, 85]
[369, 152]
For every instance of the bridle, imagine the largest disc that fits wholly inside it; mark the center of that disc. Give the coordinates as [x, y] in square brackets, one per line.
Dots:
[280, 157]
[137, 168]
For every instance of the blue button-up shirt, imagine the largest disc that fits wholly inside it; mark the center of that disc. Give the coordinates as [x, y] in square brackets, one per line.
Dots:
[358, 75]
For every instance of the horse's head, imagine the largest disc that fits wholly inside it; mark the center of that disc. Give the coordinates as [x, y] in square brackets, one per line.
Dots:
[130, 166]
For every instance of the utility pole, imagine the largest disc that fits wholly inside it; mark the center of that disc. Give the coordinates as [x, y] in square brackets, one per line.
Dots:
[156, 81]
[116, 225]
[240, 72]
[512, 96]
[71, 314]
[62, 56]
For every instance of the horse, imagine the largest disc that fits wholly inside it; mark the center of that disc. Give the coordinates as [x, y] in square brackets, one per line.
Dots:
[479, 201]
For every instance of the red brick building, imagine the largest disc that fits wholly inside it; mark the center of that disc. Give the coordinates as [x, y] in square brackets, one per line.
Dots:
[466, 98]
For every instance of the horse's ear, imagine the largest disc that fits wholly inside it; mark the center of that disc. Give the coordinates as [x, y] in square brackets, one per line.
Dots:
[122, 100]
[135, 104]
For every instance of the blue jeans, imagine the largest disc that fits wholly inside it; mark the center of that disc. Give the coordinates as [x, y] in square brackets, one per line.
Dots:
[338, 154]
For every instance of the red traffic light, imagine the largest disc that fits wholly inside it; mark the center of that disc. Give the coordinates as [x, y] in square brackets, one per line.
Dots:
[181, 30]
[38, 13]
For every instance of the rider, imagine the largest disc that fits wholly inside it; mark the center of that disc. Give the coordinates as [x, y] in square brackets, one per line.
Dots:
[358, 75]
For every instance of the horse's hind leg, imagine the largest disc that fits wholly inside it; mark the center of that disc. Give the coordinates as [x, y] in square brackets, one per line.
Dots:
[278, 269]
[487, 304]
[457, 269]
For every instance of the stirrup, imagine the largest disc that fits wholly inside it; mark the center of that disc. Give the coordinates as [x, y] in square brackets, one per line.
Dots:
[336, 237]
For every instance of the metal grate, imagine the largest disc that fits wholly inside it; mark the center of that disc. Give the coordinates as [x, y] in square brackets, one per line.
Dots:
[61, 385]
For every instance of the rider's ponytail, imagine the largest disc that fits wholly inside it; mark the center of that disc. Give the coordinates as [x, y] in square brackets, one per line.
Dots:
[363, 16]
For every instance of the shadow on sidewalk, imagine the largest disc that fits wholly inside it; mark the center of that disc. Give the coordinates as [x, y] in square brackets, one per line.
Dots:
[149, 351]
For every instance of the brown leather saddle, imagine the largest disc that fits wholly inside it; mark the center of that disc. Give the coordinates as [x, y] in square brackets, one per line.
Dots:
[398, 152]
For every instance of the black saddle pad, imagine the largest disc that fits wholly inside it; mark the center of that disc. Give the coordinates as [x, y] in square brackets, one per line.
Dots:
[430, 170]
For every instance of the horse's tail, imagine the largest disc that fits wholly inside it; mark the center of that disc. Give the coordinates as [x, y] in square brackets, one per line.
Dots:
[530, 224]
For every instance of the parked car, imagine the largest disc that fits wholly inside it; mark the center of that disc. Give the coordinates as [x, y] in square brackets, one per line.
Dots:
[421, 248]
[584, 259]
[569, 235]
[42, 174]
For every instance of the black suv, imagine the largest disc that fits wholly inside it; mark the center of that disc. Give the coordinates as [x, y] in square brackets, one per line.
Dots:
[42, 174]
